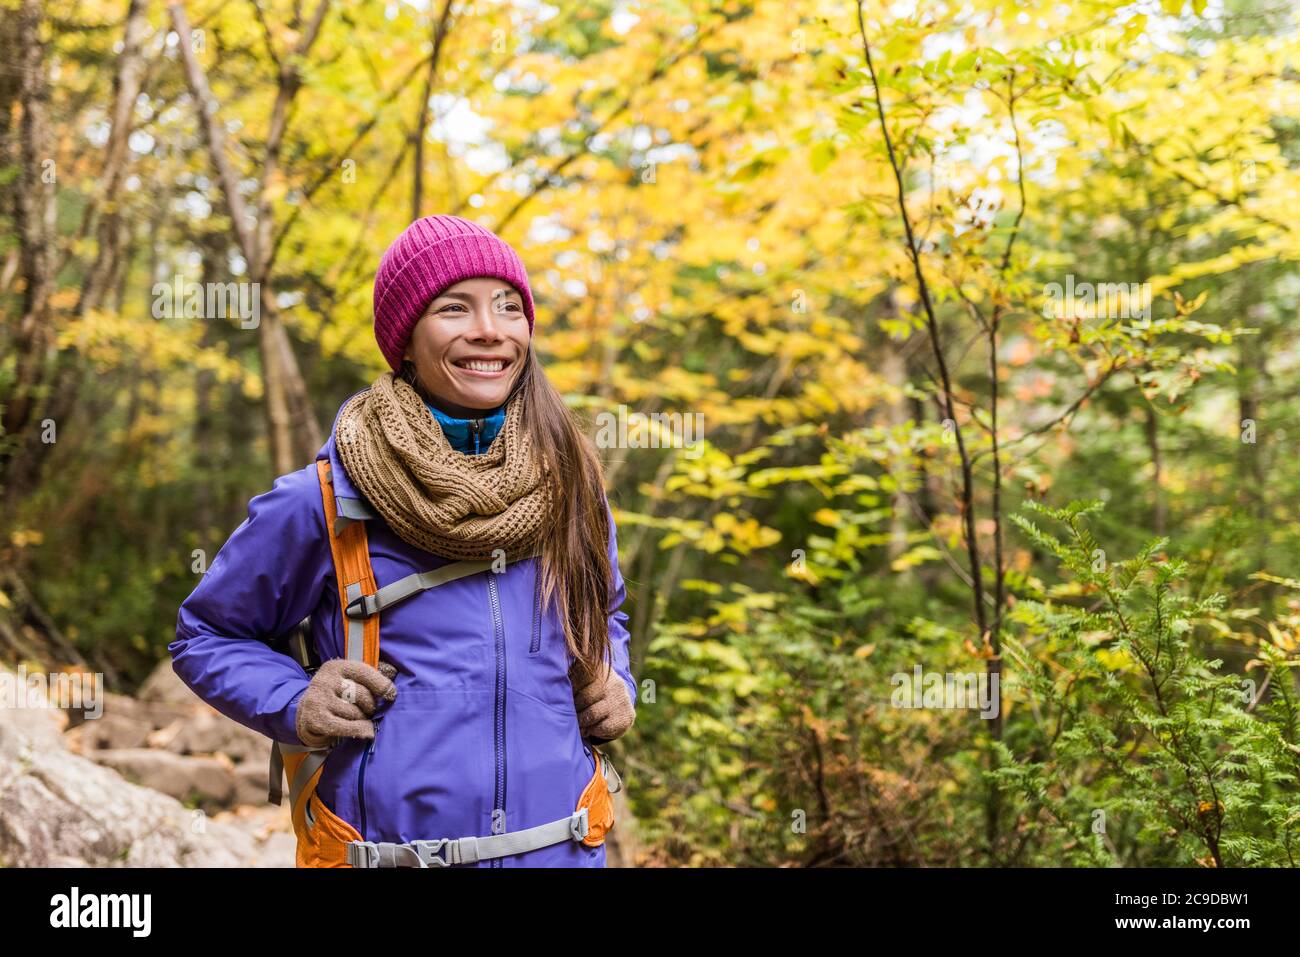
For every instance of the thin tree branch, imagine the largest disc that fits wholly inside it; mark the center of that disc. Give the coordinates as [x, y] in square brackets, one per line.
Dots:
[932, 325]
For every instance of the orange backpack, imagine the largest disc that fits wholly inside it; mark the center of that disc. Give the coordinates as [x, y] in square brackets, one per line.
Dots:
[324, 838]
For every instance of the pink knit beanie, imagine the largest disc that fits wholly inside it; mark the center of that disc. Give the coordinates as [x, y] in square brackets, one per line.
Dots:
[431, 254]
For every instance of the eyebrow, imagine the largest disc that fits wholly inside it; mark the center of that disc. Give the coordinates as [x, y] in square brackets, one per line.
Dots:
[466, 297]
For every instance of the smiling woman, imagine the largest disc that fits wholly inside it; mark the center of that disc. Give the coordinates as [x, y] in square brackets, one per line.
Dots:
[501, 661]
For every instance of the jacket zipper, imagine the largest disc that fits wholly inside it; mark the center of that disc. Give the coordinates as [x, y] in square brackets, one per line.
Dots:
[536, 644]
[499, 729]
[475, 428]
[361, 776]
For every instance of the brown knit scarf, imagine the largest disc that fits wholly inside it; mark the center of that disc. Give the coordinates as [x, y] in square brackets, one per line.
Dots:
[458, 506]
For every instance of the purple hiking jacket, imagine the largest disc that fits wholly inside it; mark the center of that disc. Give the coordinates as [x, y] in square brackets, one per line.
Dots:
[484, 716]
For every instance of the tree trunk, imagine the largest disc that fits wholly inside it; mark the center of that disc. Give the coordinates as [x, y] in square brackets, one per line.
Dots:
[421, 126]
[292, 428]
[893, 369]
[33, 341]
[108, 266]
[1157, 466]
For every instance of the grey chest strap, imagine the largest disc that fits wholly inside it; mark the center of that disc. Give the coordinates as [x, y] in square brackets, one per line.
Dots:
[360, 607]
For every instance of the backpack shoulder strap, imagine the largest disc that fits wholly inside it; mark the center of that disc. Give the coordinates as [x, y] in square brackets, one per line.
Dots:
[351, 552]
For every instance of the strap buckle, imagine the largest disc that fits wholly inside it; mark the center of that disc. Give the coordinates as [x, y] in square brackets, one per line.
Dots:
[363, 854]
[363, 607]
[429, 851]
[613, 780]
[578, 826]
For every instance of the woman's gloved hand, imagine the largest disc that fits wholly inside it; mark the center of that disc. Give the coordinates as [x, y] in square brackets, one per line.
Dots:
[604, 706]
[339, 700]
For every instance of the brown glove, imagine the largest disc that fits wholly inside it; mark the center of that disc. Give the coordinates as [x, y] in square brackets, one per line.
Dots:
[604, 707]
[341, 696]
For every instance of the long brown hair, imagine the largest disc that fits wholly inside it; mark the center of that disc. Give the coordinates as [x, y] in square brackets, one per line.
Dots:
[575, 567]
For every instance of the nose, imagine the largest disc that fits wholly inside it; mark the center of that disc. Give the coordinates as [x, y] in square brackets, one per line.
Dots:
[487, 323]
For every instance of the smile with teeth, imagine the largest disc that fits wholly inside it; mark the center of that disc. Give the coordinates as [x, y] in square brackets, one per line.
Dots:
[482, 366]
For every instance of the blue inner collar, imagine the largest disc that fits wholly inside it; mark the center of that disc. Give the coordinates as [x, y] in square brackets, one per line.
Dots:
[470, 436]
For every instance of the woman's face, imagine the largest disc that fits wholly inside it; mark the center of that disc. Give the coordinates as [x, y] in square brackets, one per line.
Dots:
[470, 344]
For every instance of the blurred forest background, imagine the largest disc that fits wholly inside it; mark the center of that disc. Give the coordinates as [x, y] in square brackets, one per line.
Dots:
[832, 230]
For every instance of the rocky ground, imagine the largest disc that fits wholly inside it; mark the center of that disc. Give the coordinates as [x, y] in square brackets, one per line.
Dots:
[161, 779]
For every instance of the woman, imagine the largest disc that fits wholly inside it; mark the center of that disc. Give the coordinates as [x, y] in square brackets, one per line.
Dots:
[470, 726]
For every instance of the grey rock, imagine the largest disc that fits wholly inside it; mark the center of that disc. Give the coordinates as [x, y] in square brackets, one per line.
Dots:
[60, 809]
